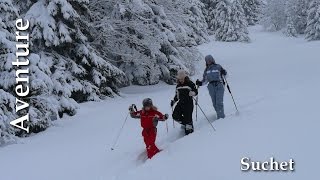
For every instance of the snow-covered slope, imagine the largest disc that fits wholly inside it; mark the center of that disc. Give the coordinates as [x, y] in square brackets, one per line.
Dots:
[275, 82]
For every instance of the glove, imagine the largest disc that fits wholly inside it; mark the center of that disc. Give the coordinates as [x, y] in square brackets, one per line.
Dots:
[198, 82]
[155, 121]
[224, 72]
[131, 109]
[172, 103]
[166, 116]
[191, 93]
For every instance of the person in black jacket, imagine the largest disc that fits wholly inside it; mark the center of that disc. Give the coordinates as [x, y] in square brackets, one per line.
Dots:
[185, 91]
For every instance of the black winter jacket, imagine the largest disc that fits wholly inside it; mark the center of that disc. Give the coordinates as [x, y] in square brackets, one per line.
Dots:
[183, 90]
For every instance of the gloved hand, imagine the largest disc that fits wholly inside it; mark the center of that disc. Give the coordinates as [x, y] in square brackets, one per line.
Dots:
[191, 93]
[132, 108]
[155, 121]
[172, 103]
[166, 116]
[198, 82]
[224, 72]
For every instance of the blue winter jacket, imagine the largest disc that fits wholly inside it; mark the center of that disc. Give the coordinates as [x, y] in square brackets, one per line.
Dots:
[213, 73]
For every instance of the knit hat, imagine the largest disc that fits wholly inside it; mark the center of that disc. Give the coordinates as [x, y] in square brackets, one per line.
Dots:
[210, 59]
[181, 74]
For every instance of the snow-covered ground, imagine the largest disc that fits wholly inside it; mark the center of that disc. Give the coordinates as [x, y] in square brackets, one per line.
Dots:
[275, 81]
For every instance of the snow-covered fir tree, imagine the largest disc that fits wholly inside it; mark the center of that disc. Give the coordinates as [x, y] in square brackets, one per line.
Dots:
[300, 16]
[252, 10]
[149, 41]
[221, 14]
[188, 16]
[230, 22]
[191, 30]
[64, 68]
[296, 11]
[61, 36]
[8, 14]
[6, 115]
[208, 11]
[290, 29]
[286, 15]
[274, 15]
[313, 21]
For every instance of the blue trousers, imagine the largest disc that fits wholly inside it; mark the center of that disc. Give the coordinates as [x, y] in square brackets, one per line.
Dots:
[216, 91]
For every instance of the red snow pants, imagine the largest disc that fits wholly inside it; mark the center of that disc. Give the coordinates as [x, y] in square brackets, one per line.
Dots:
[149, 137]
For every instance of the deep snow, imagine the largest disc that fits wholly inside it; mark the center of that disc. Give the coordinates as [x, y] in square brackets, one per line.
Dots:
[275, 81]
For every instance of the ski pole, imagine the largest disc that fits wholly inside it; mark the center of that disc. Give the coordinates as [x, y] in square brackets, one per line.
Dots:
[206, 117]
[197, 99]
[174, 125]
[167, 127]
[119, 133]
[229, 89]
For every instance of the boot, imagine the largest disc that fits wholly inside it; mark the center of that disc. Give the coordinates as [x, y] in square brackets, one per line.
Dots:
[188, 129]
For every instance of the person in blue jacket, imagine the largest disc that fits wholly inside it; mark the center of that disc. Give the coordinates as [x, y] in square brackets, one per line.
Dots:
[213, 74]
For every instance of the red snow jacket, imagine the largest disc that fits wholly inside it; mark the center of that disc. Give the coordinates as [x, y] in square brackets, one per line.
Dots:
[147, 117]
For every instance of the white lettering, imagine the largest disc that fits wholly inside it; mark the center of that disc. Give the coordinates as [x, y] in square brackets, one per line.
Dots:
[22, 75]
[18, 63]
[25, 51]
[20, 92]
[271, 165]
[283, 166]
[22, 79]
[20, 26]
[23, 106]
[274, 165]
[265, 166]
[245, 166]
[291, 165]
[21, 121]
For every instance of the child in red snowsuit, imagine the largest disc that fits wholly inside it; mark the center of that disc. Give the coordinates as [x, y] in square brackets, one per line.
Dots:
[149, 119]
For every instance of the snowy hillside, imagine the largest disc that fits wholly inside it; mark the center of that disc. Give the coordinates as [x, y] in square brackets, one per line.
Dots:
[275, 82]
